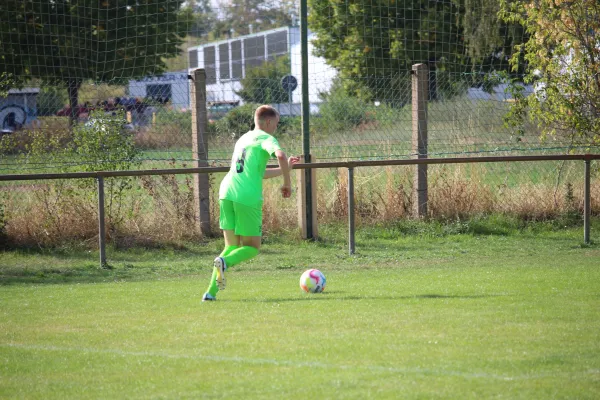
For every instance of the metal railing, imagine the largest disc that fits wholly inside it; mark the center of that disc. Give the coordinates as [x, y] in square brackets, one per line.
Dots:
[350, 165]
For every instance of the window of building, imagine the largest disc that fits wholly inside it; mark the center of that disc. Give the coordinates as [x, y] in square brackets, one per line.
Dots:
[193, 57]
[254, 51]
[237, 68]
[210, 65]
[277, 44]
[224, 61]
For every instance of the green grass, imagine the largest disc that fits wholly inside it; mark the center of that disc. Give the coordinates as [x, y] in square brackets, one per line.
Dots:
[486, 309]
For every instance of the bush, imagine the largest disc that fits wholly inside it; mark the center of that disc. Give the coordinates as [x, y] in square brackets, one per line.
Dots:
[237, 121]
[343, 111]
[103, 144]
[263, 84]
[46, 131]
[241, 119]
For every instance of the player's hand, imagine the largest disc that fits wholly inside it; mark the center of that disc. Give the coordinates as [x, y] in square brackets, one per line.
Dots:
[286, 191]
[293, 160]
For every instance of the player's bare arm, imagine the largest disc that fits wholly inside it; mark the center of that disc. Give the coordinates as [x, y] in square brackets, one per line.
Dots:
[275, 172]
[286, 188]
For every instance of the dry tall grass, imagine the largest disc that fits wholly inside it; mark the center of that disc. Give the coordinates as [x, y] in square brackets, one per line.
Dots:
[44, 214]
[160, 210]
[454, 195]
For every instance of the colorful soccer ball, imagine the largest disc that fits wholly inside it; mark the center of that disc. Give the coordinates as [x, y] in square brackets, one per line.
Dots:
[312, 281]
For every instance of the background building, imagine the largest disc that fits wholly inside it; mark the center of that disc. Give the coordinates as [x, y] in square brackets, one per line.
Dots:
[172, 87]
[227, 61]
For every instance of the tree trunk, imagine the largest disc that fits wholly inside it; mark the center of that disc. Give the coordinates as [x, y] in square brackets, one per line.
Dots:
[73, 89]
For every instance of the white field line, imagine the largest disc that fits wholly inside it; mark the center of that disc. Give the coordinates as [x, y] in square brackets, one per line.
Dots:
[294, 364]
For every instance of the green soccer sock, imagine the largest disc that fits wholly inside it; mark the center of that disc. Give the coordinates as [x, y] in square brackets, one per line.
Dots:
[227, 250]
[240, 254]
[213, 288]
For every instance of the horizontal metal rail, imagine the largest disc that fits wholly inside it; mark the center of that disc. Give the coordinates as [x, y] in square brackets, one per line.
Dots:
[337, 164]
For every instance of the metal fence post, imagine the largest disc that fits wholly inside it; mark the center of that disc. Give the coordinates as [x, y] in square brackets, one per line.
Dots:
[310, 234]
[587, 203]
[101, 226]
[351, 242]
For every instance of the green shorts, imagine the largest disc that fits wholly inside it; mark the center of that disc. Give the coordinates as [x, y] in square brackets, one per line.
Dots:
[243, 220]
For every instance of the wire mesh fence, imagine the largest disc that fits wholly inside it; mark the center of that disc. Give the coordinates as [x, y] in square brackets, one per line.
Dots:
[159, 210]
[106, 86]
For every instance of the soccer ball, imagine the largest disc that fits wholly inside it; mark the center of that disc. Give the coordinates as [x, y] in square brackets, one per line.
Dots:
[312, 281]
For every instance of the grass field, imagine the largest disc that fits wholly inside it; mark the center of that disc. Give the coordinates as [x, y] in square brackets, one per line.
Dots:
[421, 311]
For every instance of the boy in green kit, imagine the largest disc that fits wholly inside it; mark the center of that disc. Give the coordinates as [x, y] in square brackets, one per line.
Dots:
[240, 194]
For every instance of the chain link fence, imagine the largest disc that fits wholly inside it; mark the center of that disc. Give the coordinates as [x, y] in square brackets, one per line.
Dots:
[145, 122]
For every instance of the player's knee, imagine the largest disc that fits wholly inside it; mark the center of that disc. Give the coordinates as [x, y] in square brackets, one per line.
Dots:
[252, 242]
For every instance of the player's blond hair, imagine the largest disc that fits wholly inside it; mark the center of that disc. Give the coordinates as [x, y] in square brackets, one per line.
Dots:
[265, 112]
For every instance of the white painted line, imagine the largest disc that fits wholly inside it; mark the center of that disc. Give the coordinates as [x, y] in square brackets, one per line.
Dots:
[295, 364]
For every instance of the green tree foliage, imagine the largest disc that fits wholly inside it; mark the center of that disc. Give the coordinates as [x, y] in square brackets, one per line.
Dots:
[241, 17]
[490, 40]
[563, 63]
[237, 121]
[199, 17]
[7, 81]
[262, 84]
[70, 41]
[374, 44]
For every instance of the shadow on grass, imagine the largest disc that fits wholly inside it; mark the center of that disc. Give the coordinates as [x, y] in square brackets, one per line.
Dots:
[78, 265]
[334, 296]
[79, 253]
[92, 273]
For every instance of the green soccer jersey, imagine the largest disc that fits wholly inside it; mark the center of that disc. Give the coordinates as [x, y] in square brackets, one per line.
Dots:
[243, 182]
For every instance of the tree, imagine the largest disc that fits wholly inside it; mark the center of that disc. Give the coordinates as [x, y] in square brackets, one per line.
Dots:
[489, 40]
[262, 84]
[199, 16]
[70, 41]
[373, 44]
[563, 63]
[241, 17]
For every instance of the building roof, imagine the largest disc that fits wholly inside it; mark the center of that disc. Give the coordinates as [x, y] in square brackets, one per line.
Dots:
[24, 91]
[241, 37]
